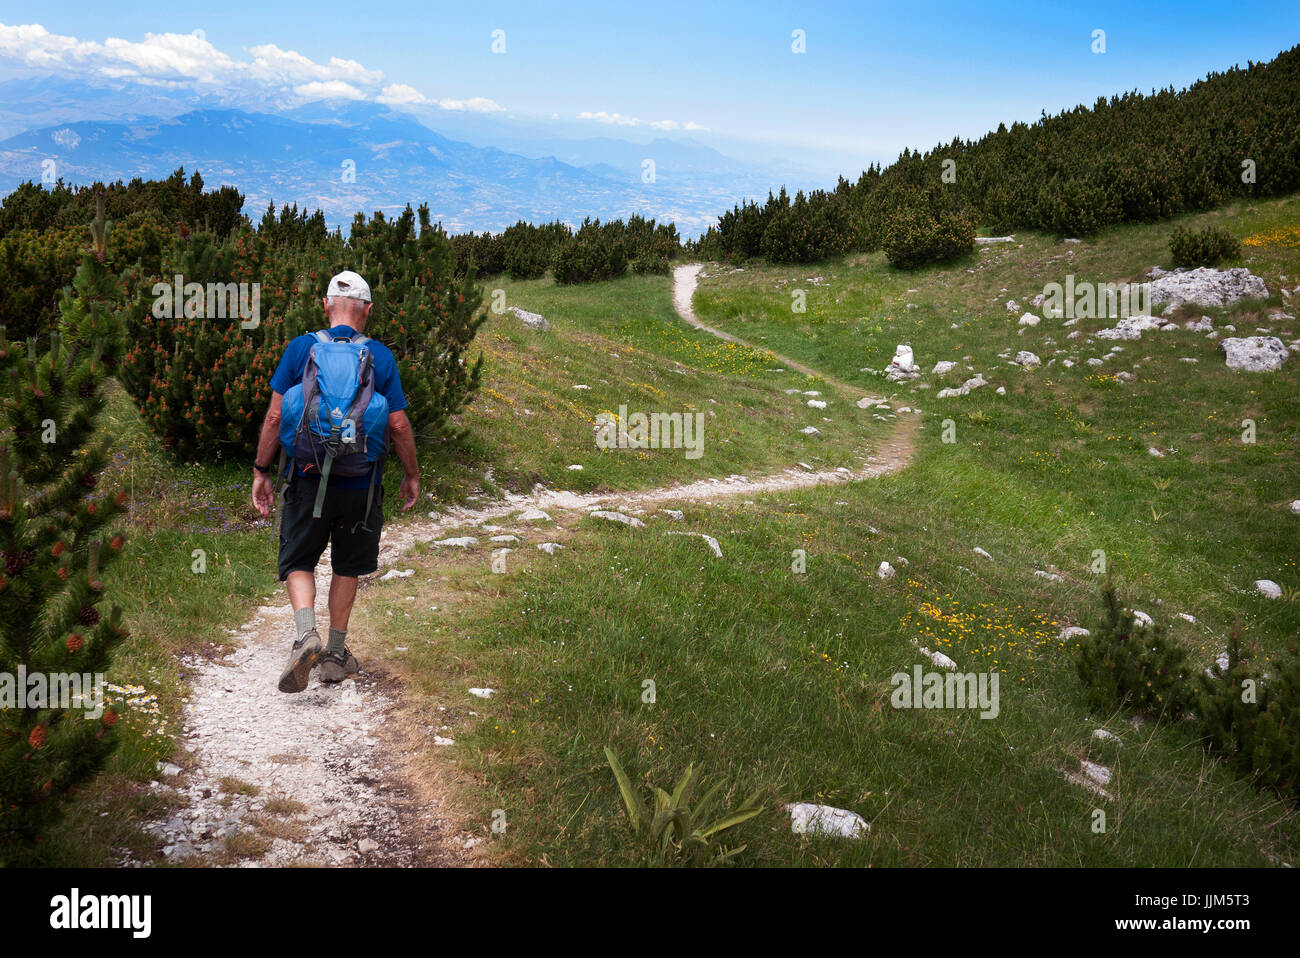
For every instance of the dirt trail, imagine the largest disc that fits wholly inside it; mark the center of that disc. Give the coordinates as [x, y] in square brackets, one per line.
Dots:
[318, 777]
[685, 279]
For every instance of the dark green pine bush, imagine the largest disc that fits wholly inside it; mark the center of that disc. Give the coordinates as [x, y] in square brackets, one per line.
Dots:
[919, 234]
[1252, 721]
[1124, 665]
[594, 253]
[1207, 247]
[55, 544]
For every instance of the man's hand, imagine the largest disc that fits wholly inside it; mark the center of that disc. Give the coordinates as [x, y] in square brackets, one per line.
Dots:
[409, 492]
[263, 493]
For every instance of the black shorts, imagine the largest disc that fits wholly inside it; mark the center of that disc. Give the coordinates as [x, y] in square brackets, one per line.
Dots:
[354, 550]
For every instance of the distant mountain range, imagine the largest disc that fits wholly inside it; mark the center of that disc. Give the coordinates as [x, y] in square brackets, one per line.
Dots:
[347, 157]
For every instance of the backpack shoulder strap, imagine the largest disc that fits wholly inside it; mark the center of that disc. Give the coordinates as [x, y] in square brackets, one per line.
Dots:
[323, 336]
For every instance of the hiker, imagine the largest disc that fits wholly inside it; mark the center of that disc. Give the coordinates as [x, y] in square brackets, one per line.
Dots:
[345, 455]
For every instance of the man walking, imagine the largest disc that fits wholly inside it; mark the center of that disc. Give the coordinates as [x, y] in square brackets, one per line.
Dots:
[340, 517]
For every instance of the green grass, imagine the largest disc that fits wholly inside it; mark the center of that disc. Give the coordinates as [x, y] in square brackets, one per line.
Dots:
[780, 682]
[771, 680]
[623, 340]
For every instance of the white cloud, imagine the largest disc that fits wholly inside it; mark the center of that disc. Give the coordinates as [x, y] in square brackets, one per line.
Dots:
[291, 65]
[618, 119]
[615, 119]
[396, 94]
[328, 90]
[478, 104]
[177, 59]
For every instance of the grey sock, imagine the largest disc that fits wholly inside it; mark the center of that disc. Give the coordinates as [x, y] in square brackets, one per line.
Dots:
[304, 620]
[336, 641]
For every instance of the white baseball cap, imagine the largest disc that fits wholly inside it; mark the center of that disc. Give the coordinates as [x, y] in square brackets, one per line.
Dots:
[349, 285]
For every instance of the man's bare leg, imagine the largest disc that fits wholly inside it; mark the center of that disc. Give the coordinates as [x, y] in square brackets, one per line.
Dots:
[343, 592]
[302, 590]
[337, 661]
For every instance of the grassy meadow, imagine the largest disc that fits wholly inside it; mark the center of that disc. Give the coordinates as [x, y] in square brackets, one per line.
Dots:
[776, 681]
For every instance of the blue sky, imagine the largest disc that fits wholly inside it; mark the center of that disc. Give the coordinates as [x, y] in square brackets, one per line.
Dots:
[875, 77]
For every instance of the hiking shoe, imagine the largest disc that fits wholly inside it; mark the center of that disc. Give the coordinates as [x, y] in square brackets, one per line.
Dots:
[303, 656]
[335, 665]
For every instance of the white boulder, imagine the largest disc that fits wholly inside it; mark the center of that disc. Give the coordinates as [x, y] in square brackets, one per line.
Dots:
[1130, 327]
[1254, 354]
[903, 365]
[531, 320]
[1205, 287]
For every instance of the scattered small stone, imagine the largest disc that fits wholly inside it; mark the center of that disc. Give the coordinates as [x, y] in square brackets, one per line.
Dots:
[612, 516]
[807, 818]
[1027, 359]
[712, 542]
[938, 658]
[1268, 588]
[531, 320]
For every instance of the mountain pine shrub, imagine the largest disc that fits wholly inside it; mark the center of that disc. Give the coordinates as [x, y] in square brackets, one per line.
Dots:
[1252, 722]
[55, 545]
[594, 253]
[918, 233]
[1207, 247]
[1126, 665]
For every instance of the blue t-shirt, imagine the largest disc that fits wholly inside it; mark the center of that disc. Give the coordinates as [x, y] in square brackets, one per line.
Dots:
[387, 381]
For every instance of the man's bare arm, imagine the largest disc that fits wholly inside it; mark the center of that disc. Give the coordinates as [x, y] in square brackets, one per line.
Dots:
[268, 444]
[399, 427]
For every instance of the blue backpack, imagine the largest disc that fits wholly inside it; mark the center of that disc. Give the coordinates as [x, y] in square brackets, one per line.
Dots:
[334, 420]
